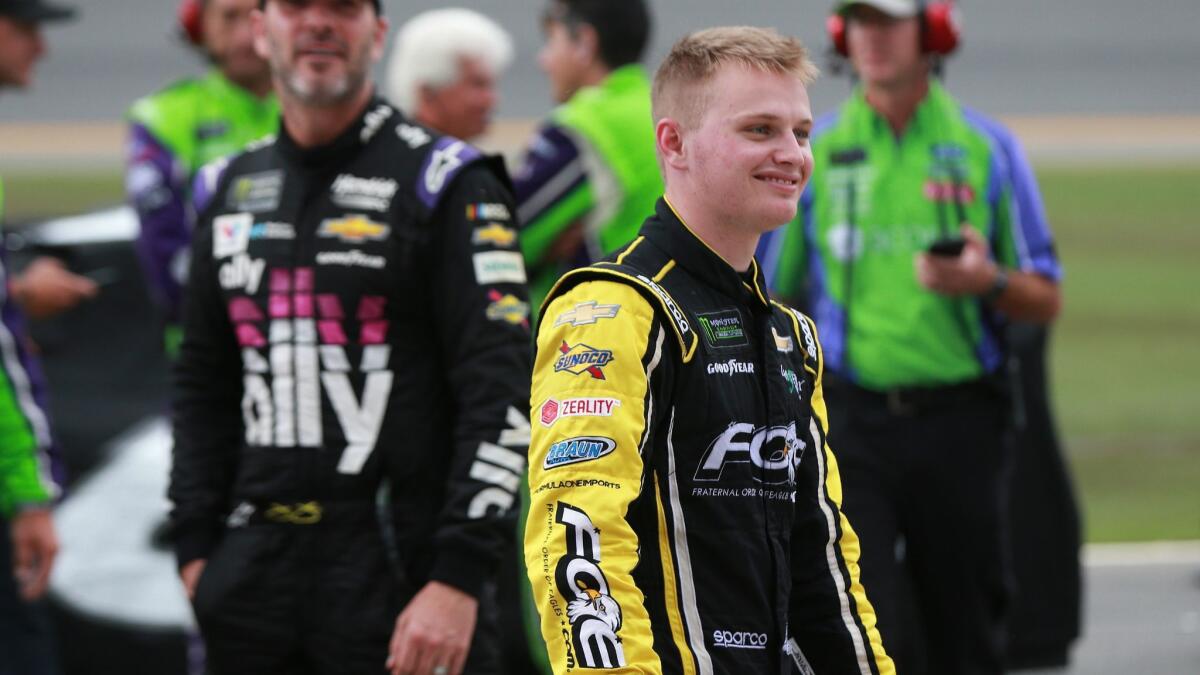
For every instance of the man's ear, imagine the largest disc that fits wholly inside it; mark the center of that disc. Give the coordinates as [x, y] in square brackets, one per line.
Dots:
[587, 43]
[259, 29]
[380, 42]
[669, 137]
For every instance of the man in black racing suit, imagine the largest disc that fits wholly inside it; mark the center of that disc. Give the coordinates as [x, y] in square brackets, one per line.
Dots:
[353, 314]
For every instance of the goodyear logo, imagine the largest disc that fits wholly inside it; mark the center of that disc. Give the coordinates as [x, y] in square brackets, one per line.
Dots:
[575, 450]
[581, 359]
[496, 235]
[353, 229]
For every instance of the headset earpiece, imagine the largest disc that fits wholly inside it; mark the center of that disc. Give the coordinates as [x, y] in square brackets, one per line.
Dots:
[940, 29]
[191, 21]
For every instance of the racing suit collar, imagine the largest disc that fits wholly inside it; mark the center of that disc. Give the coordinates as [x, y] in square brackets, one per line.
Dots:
[671, 234]
[358, 134]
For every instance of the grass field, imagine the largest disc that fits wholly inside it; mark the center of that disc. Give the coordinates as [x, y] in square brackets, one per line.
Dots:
[1126, 353]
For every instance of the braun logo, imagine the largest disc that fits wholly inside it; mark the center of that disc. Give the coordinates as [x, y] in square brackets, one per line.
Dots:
[739, 639]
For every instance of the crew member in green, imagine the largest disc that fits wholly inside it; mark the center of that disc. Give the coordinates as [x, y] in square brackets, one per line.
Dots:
[28, 478]
[921, 234]
[589, 177]
[182, 127]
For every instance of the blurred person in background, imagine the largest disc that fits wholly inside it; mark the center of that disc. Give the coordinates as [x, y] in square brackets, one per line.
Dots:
[28, 542]
[346, 324]
[588, 177]
[185, 125]
[920, 237]
[443, 70]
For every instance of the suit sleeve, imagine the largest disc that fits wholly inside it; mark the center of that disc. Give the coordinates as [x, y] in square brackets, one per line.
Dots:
[206, 410]
[481, 311]
[599, 368]
[552, 191]
[156, 185]
[830, 617]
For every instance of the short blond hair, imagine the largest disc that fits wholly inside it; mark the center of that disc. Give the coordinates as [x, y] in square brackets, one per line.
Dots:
[697, 57]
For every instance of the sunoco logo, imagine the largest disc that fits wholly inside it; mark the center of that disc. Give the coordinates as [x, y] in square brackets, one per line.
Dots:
[739, 639]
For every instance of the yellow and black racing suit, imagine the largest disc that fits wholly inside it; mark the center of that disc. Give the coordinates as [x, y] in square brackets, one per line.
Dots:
[685, 509]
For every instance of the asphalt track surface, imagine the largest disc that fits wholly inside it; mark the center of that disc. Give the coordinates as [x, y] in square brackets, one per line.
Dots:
[1020, 57]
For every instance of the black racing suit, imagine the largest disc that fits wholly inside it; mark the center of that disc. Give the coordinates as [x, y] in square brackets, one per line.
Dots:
[354, 313]
[685, 512]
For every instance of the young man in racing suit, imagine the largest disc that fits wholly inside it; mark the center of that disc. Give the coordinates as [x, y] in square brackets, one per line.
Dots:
[685, 511]
[180, 128]
[344, 324]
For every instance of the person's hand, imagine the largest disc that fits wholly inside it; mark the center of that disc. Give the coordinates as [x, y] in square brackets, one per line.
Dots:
[972, 272]
[433, 633]
[190, 574]
[47, 288]
[34, 546]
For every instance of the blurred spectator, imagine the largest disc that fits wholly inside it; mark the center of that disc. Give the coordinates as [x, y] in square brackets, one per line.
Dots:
[28, 542]
[589, 176]
[444, 67]
[921, 235]
[178, 129]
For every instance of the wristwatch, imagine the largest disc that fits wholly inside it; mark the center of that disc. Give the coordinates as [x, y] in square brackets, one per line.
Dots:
[999, 284]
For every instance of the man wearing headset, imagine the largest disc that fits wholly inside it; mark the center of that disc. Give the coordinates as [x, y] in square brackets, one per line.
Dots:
[919, 237]
[182, 127]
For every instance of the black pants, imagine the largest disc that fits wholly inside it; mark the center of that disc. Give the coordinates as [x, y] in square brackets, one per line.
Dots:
[306, 600]
[26, 643]
[925, 489]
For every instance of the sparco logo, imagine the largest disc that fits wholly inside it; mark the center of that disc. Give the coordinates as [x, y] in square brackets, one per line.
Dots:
[739, 639]
[676, 313]
[774, 451]
[594, 615]
[731, 367]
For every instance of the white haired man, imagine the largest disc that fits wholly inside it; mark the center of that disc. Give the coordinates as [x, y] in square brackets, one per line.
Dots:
[444, 67]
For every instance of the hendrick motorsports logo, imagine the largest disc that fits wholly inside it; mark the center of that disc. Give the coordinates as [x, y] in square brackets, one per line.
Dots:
[582, 359]
[575, 450]
[594, 615]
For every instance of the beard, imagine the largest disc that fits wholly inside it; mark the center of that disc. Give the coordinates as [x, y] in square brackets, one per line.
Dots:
[323, 91]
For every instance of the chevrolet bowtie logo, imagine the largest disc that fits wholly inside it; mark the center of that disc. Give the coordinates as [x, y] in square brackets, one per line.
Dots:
[586, 313]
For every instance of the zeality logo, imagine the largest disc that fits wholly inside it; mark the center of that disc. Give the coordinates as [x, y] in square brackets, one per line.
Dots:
[739, 639]
[582, 359]
[723, 329]
[731, 367]
[372, 194]
[576, 450]
[775, 451]
[553, 409]
[594, 615]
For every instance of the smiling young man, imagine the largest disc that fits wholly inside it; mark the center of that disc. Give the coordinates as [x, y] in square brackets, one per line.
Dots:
[684, 501]
[346, 322]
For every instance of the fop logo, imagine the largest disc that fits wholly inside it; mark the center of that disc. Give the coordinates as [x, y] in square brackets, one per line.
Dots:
[593, 613]
[774, 451]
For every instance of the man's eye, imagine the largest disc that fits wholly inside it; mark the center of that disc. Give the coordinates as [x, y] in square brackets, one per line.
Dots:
[760, 129]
